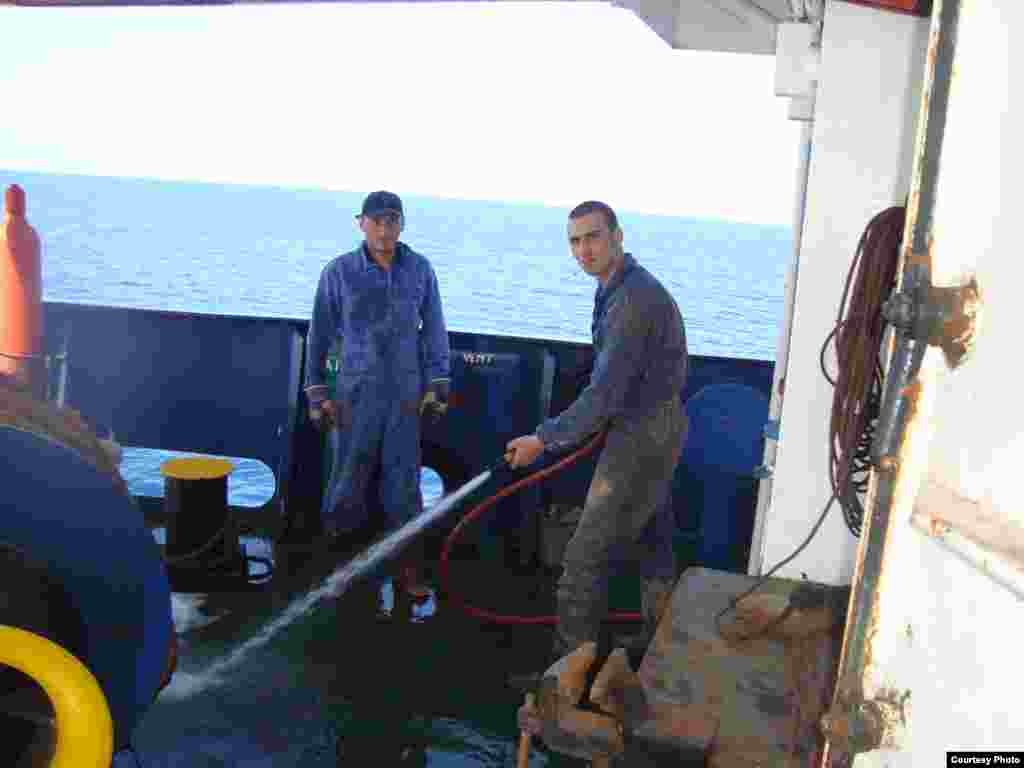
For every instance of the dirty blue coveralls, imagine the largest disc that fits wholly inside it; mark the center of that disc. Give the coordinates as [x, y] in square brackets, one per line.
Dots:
[392, 344]
[635, 388]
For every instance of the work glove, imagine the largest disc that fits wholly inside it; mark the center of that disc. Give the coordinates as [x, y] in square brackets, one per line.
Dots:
[324, 415]
[435, 402]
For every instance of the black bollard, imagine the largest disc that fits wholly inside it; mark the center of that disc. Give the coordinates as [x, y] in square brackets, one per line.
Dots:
[200, 533]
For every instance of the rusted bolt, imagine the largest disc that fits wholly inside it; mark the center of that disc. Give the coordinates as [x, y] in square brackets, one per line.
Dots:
[944, 317]
[900, 311]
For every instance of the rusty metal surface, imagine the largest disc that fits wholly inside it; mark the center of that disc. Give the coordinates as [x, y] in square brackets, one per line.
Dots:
[903, 409]
[889, 492]
[751, 689]
[934, 106]
[767, 694]
[945, 317]
[747, 691]
[958, 319]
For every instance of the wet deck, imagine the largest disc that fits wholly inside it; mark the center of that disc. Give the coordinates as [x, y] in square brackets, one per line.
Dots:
[359, 679]
[347, 683]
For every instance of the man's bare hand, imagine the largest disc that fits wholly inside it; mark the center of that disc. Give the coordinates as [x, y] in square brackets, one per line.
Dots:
[74, 418]
[324, 416]
[523, 451]
[530, 720]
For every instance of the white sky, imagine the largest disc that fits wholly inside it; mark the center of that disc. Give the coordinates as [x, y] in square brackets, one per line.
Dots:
[538, 102]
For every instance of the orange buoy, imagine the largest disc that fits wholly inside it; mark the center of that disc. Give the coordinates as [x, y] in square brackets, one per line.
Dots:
[21, 294]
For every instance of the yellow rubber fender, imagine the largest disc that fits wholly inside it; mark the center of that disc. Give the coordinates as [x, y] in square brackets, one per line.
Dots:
[83, 719]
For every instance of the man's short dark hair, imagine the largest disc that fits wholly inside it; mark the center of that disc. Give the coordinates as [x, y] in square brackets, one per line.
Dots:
[595, 206]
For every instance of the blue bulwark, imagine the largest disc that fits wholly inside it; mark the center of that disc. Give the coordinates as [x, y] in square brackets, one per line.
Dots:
[225, 386]
[230, 386]
[496, 396]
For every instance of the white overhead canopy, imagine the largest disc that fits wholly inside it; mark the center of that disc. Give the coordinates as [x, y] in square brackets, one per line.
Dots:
[733, 26]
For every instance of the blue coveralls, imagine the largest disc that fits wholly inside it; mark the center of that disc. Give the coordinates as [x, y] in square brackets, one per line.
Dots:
[634, 392]
[392, 343]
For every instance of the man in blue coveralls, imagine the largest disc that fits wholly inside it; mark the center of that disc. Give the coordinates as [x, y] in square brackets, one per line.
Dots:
[381, 305]
[634, 392]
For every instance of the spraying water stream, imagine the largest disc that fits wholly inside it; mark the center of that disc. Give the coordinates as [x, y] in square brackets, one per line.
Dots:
[185, 684]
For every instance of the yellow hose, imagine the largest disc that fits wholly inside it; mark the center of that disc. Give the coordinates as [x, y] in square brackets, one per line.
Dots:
[83, 719]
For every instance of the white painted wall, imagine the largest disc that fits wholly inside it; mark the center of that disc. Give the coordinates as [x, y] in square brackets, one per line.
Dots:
[946, 632]
[864, 126]
[979, 447]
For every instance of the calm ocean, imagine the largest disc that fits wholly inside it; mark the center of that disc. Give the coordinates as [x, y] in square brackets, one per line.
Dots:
[503, 268]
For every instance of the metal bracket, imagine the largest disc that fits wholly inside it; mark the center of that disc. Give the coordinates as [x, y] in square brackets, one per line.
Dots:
[947, 318]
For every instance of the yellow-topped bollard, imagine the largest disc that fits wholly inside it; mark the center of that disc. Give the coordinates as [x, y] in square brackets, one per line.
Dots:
[199, 531]
[196, 468]
[81, 712]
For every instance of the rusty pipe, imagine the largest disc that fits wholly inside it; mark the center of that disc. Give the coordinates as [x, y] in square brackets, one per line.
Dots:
[902, 388]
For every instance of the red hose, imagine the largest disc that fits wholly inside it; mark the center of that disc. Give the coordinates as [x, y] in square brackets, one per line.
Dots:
[479, 509]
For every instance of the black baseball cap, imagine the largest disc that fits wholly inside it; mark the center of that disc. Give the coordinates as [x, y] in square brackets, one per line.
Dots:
[380, 202]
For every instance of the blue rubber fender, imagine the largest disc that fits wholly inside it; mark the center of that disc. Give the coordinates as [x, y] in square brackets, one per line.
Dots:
[60, 510]
[726, 428]
[724, 446]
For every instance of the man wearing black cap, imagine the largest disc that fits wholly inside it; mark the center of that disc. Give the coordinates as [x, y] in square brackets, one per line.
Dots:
[381, 305]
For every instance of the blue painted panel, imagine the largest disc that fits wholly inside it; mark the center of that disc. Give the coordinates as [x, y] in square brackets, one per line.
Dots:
[497, 395]
[209, 384]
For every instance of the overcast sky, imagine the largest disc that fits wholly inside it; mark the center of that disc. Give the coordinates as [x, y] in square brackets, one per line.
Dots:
[539, 102]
